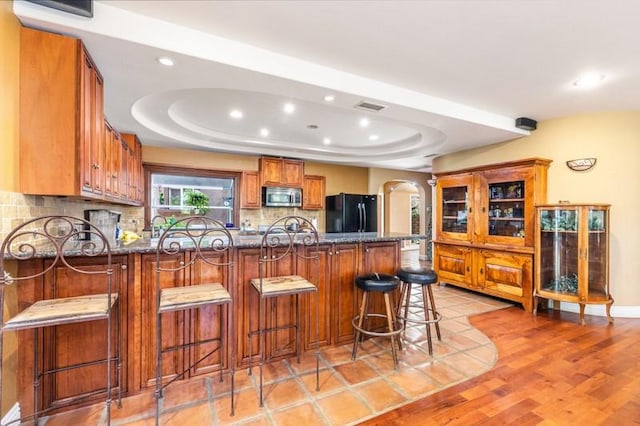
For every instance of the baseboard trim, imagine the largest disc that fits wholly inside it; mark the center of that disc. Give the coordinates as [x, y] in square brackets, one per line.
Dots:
[12, 415]
[600, 310]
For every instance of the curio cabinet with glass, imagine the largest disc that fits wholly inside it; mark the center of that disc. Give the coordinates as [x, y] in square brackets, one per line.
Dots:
[572, 263]
[484, 236]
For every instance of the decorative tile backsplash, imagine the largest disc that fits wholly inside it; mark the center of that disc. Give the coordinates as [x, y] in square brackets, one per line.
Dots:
[15, 208]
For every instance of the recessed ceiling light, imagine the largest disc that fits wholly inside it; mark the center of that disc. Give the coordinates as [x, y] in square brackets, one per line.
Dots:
[364, 122]
[374, 137]
[587, 81]
[326, 141]
[166, 61]
[236, 113]
[289, 108]
[329, 98]
[264, 132]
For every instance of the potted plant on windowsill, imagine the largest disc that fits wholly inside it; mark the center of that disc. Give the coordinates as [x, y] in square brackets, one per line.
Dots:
[198, 200]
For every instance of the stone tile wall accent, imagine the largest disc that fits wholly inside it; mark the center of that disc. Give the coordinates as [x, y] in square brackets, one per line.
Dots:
[16, 208]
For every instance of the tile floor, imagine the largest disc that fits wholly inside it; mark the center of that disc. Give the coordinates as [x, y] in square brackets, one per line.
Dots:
[350, 391]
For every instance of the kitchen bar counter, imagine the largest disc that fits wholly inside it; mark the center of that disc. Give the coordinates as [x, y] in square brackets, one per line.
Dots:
[341, 258]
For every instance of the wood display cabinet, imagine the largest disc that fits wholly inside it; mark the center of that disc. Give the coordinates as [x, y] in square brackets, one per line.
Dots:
[572, 243]
[313, 191]
[283, 172]
[485, 227]
[250, 195]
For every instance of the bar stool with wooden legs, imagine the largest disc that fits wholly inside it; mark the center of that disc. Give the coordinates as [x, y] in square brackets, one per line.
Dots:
[209, 250]
[50, 242]
[425, 278]
[377, 283]
[285, 240]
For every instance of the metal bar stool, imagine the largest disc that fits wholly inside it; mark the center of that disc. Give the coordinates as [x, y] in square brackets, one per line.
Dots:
[300, 248]
[58, 238]
[210, 245]
[423, 277]
[385, 284]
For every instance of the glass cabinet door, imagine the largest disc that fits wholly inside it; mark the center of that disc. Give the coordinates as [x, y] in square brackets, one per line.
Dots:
[597, 252]
[455, 204]
[559, 250]
[506, 209]
[455, 220]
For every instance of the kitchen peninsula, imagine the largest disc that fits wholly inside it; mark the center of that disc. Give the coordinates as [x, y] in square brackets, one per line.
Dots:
[341, 258]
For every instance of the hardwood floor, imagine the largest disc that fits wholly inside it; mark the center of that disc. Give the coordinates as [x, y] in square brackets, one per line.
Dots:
[551, 370]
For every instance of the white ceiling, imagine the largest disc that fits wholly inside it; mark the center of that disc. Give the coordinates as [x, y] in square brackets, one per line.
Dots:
[452, 74]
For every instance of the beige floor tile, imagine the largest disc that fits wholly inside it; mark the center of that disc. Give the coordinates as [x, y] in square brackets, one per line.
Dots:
[242, 380]
[246, 404]
[329, 382]
[185, 391]
[199, 414]
[380, 395]
[272, 371]
[307, 362]
[283, 393]
[134, 406]
[356, 372]
[337, 355]
[305, 414]
[441, 372]
[466, 364]
[412, 382]
[343, 408]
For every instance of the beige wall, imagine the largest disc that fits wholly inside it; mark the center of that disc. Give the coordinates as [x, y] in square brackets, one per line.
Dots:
[614, 139]
[9, 133]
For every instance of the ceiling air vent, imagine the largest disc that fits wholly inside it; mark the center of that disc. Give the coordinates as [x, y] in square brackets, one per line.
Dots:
[369, 106]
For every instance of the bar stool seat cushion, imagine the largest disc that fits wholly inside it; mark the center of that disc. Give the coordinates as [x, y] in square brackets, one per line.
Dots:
[418, 275]
[377, 282]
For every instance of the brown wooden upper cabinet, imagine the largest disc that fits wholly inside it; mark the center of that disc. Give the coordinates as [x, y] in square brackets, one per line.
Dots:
[281, 172]
[250, 190]
[313, 192]
[62, 129]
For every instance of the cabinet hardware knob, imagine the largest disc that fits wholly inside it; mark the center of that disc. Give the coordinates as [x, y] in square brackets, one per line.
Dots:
[181, 263]
[124, 267]
[470, 209]
[484, 209]
[273, 256]
[330, 254]
[337, 252]
[481, 271]
[468, 269]
[366, 250]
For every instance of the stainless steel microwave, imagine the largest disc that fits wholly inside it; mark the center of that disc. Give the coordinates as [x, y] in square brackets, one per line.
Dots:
[281, 197]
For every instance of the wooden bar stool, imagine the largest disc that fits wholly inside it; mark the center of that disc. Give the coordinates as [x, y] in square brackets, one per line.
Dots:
[385, 284]
[423, 277]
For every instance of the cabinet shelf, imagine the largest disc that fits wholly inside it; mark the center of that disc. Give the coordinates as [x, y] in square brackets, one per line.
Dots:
[454, 202]
[506, 200]
[507, 219]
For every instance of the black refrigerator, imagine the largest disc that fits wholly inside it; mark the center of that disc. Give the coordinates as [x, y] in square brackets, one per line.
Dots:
[351, 213]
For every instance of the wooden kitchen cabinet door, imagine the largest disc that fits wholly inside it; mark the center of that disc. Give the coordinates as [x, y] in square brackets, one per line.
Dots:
[344, 299]
[281, 172]
[313, 192]
[60, 344]
[250, 196]
[323, 279]
[173, 323]
[454, 264]
[506, 275]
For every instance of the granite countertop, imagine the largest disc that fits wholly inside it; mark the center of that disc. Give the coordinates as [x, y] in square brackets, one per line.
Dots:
[149, 245]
